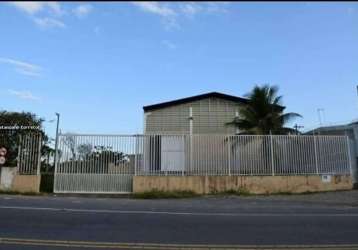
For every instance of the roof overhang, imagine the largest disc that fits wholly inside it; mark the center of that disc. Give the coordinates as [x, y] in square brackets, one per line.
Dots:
[195, 98]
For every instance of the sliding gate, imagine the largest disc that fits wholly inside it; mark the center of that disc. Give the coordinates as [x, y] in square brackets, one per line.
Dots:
[95, 163]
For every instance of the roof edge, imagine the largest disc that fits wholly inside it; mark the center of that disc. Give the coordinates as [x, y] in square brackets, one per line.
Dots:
[194, 98]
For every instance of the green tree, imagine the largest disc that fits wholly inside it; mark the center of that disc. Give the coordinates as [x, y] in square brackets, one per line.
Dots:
[106, 154]
[84, 150]
[13, 126]
[264, 113]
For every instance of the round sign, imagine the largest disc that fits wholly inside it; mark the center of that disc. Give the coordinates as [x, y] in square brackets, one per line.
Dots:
[3, 151]
[2, 160]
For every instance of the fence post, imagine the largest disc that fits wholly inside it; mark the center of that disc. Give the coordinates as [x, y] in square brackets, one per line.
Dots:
[135, 154]
[349, 157]
[19, 154]
[39, 155]
[229, 154]
[272, 156]
[56, 158]
[191, 136]
[183, 168]
[315, 153]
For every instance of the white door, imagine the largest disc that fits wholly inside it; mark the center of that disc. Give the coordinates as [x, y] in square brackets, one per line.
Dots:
[172, 153]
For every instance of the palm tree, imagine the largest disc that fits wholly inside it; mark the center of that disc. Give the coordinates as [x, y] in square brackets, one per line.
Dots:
[263, 114]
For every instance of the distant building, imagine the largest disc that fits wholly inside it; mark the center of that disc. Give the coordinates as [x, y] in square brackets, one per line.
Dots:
[202, 114]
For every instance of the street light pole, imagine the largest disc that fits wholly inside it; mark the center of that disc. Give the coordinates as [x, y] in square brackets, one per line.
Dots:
[56, 140]
[319, 115]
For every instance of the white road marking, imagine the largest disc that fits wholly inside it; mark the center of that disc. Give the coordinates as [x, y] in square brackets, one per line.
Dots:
[128, 245]
[75, 210]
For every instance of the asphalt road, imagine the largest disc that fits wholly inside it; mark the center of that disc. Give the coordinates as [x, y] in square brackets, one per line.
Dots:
[316, 221]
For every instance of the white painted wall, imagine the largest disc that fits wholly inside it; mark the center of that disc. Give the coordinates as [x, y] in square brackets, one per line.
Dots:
[7, 177]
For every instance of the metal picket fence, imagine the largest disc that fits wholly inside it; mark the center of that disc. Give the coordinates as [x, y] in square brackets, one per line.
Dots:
[107, 163]
[22, 149]
[243, 155]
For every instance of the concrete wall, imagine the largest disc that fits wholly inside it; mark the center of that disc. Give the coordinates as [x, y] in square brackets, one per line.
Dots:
[7, 177]
[26, 183]
[253, 184]
[10, 180]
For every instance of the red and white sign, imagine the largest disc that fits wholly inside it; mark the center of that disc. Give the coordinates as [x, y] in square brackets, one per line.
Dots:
[3, 151]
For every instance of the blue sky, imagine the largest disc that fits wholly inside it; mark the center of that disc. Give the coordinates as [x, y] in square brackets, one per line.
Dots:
[98, 63]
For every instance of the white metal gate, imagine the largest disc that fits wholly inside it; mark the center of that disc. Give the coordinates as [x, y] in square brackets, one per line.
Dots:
[95, 163]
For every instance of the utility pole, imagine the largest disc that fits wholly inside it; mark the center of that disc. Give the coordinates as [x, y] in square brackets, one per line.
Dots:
[56, 140]
[297, 127]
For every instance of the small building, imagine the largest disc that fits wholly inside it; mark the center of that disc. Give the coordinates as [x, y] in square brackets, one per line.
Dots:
[168, 124]
[201, 114]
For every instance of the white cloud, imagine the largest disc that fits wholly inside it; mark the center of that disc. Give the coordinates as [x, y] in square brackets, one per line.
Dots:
[43, 14]
[36, 7]
[27, 95]
[219, 7]
[48, 22]
[171, 12]
[82, 10]
[155, 8]
[169, 44]
[21, 67]
[162, 10]
[190, 8]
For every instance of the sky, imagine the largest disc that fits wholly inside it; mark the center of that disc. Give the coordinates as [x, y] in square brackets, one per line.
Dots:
[98, 64]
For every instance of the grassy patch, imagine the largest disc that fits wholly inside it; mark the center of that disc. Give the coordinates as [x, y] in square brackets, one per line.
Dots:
[239, 192]
[281, 193]
[300, 193]
[157, 194]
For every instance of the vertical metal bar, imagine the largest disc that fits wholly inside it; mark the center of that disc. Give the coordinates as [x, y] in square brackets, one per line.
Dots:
[315, 153]
[29, 154]
[19, 158]
[183, 167]
[349, 156]
[56, 142]
[39, 154]
[191, 135]
[272, 156]
[135, 154]
[229, 154]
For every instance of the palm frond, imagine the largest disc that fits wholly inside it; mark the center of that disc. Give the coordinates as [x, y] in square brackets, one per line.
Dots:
[263, 113]
[287, 117]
